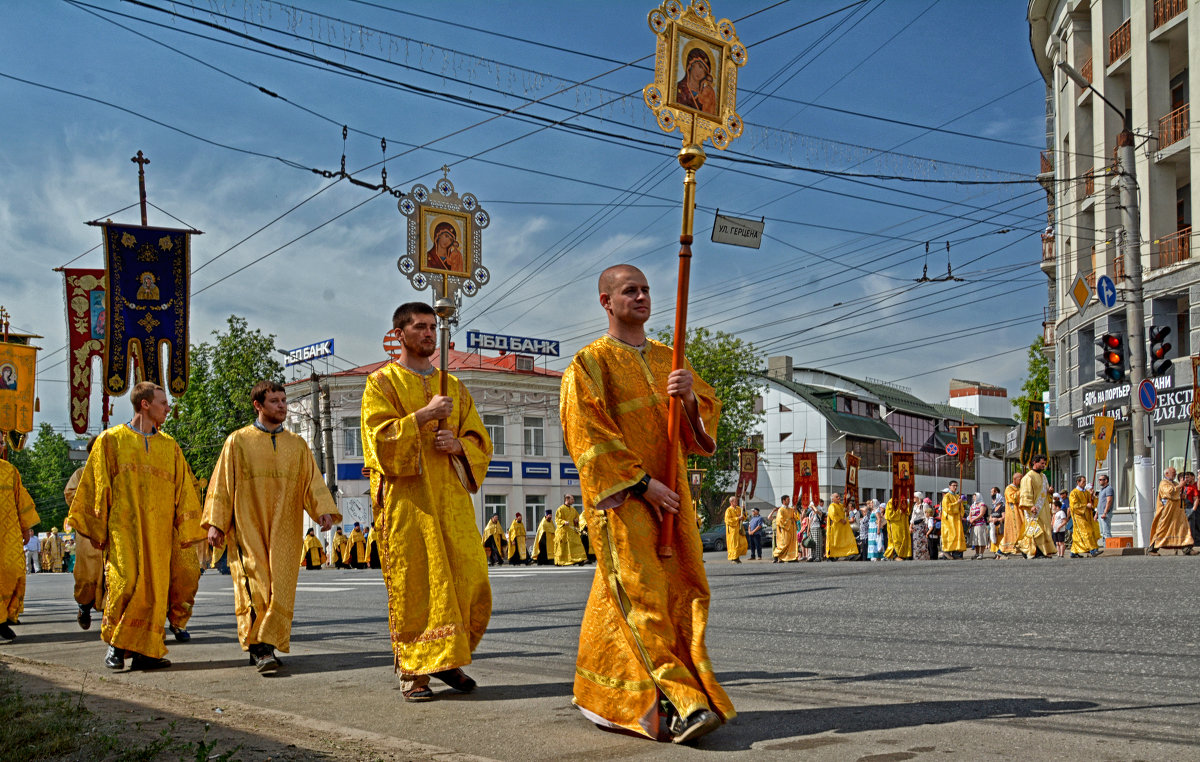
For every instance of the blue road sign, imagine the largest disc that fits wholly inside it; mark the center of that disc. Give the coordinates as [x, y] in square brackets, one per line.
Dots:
[952, 449]
[1147, 395]
[1106, 291]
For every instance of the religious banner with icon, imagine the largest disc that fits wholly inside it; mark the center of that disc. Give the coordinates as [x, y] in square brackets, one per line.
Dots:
[1102, 435]
[695, 73]
[965, 436]
[146, 304]
[851, 497]
[747, 472]
[1035, 433]
[445, 241]
[904, 474]
[806, 485]
[87, 327]
[18, 386]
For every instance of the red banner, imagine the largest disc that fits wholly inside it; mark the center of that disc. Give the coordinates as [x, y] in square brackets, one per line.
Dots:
[851, 498]
[87, 327]
[747, 472]
[904, 474]
[965, 435]
[806, 486]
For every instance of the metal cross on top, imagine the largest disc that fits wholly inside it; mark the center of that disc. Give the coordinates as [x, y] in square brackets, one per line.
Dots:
[694, 91]
[141, 161]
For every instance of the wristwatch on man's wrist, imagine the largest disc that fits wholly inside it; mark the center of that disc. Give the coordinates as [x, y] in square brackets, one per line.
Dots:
[641, 485]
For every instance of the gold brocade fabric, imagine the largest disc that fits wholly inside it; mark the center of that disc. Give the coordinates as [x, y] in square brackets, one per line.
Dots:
[434, 566]
[341, 548]
[545, 534]
[495, 532]
[899, 535]
[52, 547]
[1014, 520]
[258, 494]
[1033, 500]
[89, 561]
[787, 547]
[356, 547]
[736, 543]
[643, 627]
[135, 492]
[314, 554]
[1084, 537]
[517, 549]
[953, 537]
[1170, 528]
[568, 547]
[17, 514]
[839, 536]
[185, 583]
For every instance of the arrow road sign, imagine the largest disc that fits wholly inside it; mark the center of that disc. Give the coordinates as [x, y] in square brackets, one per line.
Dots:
[1106, 291]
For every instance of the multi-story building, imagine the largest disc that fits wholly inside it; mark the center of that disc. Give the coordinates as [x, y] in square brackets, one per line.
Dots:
[807, 409]
[1138, 55]
[518, 402]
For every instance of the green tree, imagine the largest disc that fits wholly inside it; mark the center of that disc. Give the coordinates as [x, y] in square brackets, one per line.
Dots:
[1037, 379]
[45, 467]
[217, 401]
[731, 366]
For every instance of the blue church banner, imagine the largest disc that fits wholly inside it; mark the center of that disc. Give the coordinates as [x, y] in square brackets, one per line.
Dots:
[149, 287]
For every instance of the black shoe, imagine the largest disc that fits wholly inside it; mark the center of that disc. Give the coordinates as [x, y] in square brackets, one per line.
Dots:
[1076, 555]
[84, 616]
[1094, 553]
[1152, 552]
[456, 679]
[181, 634]
[141, 661]
[115, 659]
[6, 633]
[265, 661]
[701, 722]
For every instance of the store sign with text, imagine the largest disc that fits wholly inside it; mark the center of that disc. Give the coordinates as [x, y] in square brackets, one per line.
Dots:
[1174, 406]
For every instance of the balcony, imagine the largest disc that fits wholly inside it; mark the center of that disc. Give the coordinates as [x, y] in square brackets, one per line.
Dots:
[1173, 127]
[1117, 268]
[1086, 71]
[1119, 43]
[1165, 10]
[1048, 343]
[1172, 249]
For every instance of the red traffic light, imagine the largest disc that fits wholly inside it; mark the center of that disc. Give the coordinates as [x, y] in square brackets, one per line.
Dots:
[1110, 342]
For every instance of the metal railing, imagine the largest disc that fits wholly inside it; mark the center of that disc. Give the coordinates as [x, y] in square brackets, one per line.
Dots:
[1165, 10]
[1086, 71]
[1173, 249]
[1119, 43]
[1173, 127]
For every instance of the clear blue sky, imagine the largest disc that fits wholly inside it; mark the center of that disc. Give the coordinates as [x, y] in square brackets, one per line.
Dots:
[831, 285]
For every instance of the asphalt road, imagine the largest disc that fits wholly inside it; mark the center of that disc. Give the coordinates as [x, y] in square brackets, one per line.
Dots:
[1089, 659]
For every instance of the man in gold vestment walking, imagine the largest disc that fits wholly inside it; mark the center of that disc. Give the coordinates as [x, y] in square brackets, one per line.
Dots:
[642, 664]
[18, 516]
[135, 499]
[427, 453]
[262, 485]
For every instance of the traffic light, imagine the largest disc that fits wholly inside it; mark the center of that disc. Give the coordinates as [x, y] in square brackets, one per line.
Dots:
[1112, 355]
[1159, 348]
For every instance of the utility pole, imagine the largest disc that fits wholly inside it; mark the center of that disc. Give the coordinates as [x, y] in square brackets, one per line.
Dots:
[314, 395]
[327, 425]
[1135, 314]
[1135, 319]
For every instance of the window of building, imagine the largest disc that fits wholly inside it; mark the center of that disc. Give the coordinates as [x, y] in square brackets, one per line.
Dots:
[534, 436]
[495, 429]
[352, 437]
[535, 509]
[524, 362]
[495, 505]
[1087, 354]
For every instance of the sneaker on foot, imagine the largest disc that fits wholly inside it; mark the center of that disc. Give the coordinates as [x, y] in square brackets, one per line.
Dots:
[115, 658]
[700, 723]
[181, 634]
[266, 661]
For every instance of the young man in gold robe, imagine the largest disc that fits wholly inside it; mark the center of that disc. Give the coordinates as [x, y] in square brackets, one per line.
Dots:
[264, 481]
[18, 515]
[494, 541]
[1014, 518]
[568, 547]
[954, 539]
[736, 543]
[89, 561]
[543, 541]
[427, 453]
[1169, 529]
[1033, 500]
[642, 664]
[839, 536]
[784, 520]
[1085, 540]
[340, 549]
[899, 536]
[356, 548]
[135, 499]
[518, 553]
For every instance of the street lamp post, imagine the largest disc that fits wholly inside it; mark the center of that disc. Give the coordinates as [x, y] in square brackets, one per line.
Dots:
[1135, 313]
